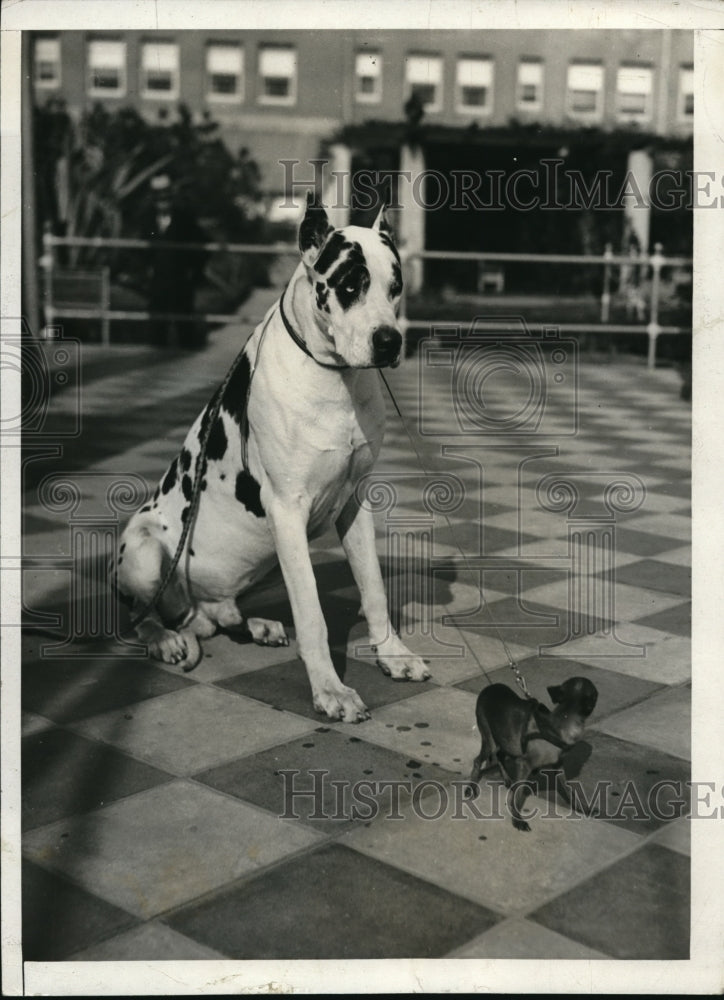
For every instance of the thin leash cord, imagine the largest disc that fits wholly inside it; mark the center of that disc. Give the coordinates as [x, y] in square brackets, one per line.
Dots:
[188, 528]
[520, 679]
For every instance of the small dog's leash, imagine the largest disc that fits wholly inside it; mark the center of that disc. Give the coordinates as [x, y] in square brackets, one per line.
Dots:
[519, 678]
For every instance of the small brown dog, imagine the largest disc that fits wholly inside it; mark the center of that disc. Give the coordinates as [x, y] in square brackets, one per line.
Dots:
[529, 737]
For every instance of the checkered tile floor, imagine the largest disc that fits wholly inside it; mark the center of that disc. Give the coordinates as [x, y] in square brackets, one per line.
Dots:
[157, 808]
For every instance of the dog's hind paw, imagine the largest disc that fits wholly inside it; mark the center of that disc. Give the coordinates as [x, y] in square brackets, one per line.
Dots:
[343, 704]
[520, 824]
[168, 646]
[396, 661]
[267, 633]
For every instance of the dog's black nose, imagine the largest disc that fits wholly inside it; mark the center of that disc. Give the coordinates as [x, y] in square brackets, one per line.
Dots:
[387, 343]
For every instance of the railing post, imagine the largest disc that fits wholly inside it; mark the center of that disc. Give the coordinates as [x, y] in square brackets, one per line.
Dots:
[105, 306]
[653, 329]
[47, 263]
[606, 294]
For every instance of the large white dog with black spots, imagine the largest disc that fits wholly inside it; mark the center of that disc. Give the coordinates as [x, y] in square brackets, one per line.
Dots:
[284, 455]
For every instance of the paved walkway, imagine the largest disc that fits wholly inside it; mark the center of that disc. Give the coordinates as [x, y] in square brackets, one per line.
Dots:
[157, 804]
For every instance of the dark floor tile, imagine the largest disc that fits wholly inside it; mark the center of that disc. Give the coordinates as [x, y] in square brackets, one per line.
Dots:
[67, 690]
[642, 543]
[679, 486]
[655, 575]
[333, 903]
[641, 788]
[344, 759]
[526, 622]
[637, 909]
[674, 620]
[286, 685]
[64, 774]
[615, 691]
[60, 918]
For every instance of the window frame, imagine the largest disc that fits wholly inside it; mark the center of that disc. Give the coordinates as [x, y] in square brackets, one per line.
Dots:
[288, 100]
[436, 57]
[57, 62]
[596, 115]
[532, 107]
[685, 70]
[104, 92]
[159, 95]
[635, 116]
[239, 95]
[361, 96]
[483, 110]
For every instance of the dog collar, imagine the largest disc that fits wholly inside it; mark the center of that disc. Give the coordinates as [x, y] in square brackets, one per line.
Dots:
[299, 341]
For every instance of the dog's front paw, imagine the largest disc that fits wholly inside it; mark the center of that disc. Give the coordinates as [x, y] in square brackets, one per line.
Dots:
[520, 824]
[341, 703]
[395, 659]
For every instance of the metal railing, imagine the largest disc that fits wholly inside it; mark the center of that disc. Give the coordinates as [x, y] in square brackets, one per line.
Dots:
[52, 311]
[643, 263]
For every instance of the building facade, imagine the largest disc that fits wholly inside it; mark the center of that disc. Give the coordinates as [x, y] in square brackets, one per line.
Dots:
[293, 95]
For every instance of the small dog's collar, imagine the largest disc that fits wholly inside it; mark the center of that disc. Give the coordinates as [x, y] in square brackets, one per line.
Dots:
[299, 341]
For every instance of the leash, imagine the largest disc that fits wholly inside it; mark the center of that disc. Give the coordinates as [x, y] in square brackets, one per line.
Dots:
[188, 528]
[187, 532]
[519, 678]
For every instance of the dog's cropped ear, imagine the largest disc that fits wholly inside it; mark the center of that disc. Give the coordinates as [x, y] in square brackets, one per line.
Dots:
[314, 230]
[555, 693]
[382, 223]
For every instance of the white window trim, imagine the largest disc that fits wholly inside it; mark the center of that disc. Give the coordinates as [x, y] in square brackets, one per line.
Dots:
[680, 100]
[271, 99]
[121, 91]
[588, 116]
[636, 116]
[160, 95]
[57, 79]
[238, 98]
[533, 107]
[476, 109]
[360, 96]
[438, 103]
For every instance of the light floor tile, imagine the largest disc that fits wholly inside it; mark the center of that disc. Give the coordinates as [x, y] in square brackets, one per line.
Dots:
[524, 939]
[163, 847]
[193, 729]
[662, 721]
[629, 603]
[150, 942]
[486, 859]
[666, 659]
[674, 526]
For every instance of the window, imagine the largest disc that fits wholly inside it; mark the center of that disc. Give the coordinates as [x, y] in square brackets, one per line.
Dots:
[278, 75]
[225, 72]
[368, 71]
[424, 78]
[47, 62]
[530, 85]
[634, 87]
[106, 68]
[585, 90]
[474, 81]
[159, 70]
[686, 93]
